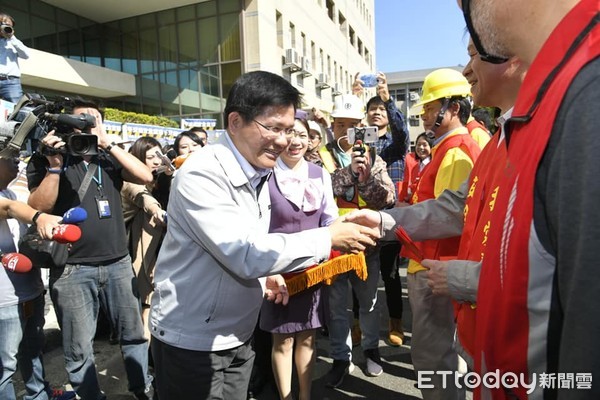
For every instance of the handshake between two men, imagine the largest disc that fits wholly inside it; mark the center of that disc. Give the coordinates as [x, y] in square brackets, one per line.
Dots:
[351, 233]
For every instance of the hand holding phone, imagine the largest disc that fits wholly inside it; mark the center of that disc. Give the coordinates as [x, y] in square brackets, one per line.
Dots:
[165, 161]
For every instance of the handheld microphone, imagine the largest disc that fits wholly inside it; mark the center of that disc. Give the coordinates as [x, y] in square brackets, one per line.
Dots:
[178, 161]
[66, 233]
[74, 215]
[16, 262]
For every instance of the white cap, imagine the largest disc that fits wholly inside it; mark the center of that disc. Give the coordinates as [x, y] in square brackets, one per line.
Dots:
[348, 106]
[313, 126]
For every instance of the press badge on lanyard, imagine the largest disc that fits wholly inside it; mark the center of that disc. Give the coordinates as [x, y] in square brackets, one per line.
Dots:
[102, 203]
[103, 207]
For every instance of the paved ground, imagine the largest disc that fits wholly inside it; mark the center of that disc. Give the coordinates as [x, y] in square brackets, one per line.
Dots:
[397, 381]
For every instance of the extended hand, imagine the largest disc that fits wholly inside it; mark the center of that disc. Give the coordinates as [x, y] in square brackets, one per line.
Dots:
[349, 237]
[276, 290]
[158, 218]
[369, 218]
[357, 86]
[437, 276]
[382, 87]
[46, 224]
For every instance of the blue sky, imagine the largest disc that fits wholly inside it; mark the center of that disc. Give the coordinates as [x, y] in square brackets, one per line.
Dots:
[417, 34]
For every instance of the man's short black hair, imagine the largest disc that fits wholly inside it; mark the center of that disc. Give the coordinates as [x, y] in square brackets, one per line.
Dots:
[464, 111]
[487, 116]
[80, 102]
[375, 101]
[254, 91]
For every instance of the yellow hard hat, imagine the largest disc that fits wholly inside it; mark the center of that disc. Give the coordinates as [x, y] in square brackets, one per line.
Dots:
[444, 83]
[348, 106]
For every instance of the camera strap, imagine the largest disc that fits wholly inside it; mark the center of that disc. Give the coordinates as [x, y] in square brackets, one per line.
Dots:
[87, 179]
[14, 145]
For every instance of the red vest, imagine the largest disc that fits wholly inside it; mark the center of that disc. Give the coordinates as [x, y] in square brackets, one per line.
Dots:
[447, 248]
[479, 204]
[503, 325]
[474, 124]
[411, 172]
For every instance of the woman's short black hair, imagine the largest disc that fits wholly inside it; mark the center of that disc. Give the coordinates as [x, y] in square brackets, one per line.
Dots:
[189, 134]
[427, 139]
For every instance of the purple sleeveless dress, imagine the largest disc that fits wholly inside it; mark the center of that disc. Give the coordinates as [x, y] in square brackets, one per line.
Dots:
[305, 310]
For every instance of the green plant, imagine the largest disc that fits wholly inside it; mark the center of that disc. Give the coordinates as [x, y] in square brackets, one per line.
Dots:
[112, 114]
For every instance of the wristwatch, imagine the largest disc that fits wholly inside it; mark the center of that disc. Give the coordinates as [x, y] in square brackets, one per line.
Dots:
[35, 217]
[54, 170]
[109, 147]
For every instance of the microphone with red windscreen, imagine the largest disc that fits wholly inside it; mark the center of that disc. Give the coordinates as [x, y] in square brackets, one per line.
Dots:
[66, 233]
[16, 262]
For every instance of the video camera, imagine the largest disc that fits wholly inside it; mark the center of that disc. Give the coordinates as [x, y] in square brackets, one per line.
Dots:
[34, 116]
[358, 137]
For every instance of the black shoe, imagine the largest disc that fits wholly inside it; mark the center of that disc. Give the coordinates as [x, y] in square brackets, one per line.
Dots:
[373, 362]
[113, 338]
[258, 381]
[338, 372]
[148, 394]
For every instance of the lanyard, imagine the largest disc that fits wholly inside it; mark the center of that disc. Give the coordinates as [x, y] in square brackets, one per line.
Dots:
[97, 180]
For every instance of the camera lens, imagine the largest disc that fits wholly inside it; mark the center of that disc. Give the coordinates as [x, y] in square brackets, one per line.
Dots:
[81, 145]
[7, 29]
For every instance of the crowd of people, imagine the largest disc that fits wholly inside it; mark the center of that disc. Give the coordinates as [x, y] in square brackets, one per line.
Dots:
[212, 259]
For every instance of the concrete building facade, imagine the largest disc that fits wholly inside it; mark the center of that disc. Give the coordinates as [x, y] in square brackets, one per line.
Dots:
[179, 58]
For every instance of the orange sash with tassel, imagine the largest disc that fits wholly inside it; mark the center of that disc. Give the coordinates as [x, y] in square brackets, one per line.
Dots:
[326, 272]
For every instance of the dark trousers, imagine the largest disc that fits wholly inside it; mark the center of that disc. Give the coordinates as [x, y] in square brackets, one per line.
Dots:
[189, 374]
[389, 265]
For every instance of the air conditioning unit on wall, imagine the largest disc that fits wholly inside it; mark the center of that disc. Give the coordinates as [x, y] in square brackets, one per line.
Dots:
[292, 60]
[337, 89]
[323, 81]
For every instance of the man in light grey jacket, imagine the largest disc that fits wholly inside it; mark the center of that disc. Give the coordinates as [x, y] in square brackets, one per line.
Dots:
[208, 278]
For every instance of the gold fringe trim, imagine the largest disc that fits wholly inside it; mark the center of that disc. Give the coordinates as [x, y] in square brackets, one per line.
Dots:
[326, 272]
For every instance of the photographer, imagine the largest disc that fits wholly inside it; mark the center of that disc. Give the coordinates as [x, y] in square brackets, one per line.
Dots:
[360, 180]
[99, 268]
[392, 145]
[11, 49]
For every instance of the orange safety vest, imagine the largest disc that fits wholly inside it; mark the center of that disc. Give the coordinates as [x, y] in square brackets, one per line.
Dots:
[447, 248]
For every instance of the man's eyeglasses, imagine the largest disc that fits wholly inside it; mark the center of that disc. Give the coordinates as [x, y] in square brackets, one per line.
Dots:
[277, 131]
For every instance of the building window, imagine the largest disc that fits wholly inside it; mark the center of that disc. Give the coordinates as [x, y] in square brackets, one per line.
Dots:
[303, 44]
[292, 33]
[414, 120]
[330, 9]
[279, 26]
[342, 23]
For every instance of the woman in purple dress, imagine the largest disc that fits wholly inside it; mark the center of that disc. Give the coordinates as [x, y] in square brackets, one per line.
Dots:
[301, 198]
